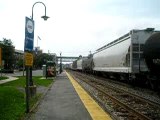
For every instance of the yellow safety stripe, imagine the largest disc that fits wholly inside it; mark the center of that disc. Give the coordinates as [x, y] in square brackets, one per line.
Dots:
[96, 112]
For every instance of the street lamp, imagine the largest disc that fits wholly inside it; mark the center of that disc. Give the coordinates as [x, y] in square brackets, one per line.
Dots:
[60, 62]
[44, 17]
[30, 88]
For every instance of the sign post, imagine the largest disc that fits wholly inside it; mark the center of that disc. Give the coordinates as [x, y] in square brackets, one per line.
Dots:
[28, 48]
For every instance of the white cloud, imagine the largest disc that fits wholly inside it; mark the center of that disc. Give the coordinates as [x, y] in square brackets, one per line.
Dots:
[74, 27]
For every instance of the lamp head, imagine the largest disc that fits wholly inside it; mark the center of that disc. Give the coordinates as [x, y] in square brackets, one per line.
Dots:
[45, 17]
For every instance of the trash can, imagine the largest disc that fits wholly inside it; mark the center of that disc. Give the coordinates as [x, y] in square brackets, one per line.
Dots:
[44, 70]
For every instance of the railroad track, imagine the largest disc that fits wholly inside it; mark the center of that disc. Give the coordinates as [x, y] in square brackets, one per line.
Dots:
[125, 105]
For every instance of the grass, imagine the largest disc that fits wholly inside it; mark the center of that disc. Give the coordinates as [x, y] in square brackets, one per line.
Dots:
[42, 82]
[21, 82]
[34, 100]
[12, 101]
[12, 104]
[3, 78]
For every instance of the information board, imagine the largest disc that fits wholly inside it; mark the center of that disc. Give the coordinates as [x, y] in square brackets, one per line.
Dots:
[28, 59]
[29, 34]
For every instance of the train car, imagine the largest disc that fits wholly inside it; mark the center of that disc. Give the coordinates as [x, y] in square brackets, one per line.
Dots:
[87, 64]
[127, 57]
[68, 66]
[74, 65]
[79, 64]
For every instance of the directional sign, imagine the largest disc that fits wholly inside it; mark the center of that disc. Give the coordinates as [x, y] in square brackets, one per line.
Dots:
[28, 59]
[29, 34]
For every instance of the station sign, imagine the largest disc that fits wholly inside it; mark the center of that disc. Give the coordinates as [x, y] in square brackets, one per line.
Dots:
[29, 34]
[28, 59]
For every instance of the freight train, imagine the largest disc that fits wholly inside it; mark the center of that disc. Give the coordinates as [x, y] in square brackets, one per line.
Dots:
[133, 57]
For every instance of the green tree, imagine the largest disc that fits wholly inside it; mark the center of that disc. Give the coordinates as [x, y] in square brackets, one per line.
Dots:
[41, 59]
[8, 53]
[20, 63]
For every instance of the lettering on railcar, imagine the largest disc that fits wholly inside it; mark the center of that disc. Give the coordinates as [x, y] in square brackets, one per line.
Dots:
[156, 61]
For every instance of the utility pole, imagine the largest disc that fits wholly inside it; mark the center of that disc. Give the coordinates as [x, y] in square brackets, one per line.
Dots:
[60, 63]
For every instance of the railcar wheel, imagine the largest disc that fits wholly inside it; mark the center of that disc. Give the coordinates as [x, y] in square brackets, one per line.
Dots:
[153, 84]
[132, 79]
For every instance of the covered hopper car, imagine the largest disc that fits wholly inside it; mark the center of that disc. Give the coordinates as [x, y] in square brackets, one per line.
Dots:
[135, 56]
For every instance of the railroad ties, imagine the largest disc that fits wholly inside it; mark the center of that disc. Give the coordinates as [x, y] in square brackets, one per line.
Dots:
[119, 102]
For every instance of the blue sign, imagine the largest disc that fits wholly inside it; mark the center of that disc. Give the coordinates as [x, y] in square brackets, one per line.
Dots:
[29, 35]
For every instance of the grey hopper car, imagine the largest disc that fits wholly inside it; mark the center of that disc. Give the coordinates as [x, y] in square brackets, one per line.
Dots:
[87, 64]
[74, 65]
[131, 57]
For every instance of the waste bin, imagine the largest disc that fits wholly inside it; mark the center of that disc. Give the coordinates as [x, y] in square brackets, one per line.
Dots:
[44, 70]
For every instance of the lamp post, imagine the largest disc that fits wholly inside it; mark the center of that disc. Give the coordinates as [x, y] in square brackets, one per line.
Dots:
[30, 88]
[45, 18]
[60, 63]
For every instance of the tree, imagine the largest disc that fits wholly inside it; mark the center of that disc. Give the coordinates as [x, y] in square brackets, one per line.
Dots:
[20, 63]
[41, 59]
[8, 53]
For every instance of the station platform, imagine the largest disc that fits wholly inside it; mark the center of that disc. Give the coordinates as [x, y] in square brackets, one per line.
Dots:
[67, 100]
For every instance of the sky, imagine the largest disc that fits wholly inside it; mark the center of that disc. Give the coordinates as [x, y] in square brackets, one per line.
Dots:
[76, 27]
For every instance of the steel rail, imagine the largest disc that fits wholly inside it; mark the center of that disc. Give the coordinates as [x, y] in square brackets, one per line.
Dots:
[130, 93]
[129, 109]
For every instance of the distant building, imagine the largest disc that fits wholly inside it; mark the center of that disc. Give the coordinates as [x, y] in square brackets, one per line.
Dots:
[18, 54]
[38, 51]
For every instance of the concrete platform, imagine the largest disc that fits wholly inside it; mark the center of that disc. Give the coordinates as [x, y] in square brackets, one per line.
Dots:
[61, 103]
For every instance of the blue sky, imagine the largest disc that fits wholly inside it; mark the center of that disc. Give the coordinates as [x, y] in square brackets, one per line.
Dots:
[76, 27]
